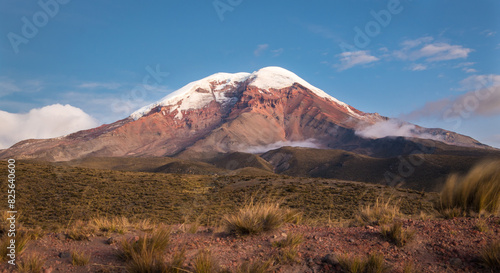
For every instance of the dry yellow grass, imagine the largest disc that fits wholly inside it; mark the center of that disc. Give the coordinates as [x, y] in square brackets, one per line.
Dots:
[377, 214]
[478, 191]
[32, 263]
[255, 218]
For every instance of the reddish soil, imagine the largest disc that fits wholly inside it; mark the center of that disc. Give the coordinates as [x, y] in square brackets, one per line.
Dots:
[439, 246]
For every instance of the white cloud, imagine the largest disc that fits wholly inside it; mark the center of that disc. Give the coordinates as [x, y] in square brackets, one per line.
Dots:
[277, 52]
[442, 52]
[309, 143]
[260, 49]
[422, 48]
[408, 44]
[352, 58]
[103, 85]
[469, 70]
[418, 67]
[476, 82]
[394, 128]
[465, 64]
[390, 127]
[46, 122]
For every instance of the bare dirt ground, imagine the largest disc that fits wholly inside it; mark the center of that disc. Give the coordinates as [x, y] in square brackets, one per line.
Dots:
[439, 246]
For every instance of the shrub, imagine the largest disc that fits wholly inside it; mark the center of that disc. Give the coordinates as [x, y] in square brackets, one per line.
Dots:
[32, 263]
[255, 218]
[478, 191]
[79, 258]
[114, 225]
[374, 263]
[146, 254]
[397, 234]
[490, 255]
[481, 225]
[22, 239]
[376, 214]
[204, 262]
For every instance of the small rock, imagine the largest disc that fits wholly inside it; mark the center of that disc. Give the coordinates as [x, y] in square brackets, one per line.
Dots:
[370, 228]
[456, 262]
[330, 259]
[284, 235]
[351, 240]
[110, 241]
[61, 236]
[48, 270]
[64, 255]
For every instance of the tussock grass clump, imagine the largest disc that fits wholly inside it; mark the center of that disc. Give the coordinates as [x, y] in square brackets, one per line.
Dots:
[490, 255]
[156, 242]
[146, 254]
[79, 258]
[396, 234]
[22, 239]
[374, 263]
[478, 191]
[113, 225]
[204, 262]
[292, 240]
[255, 267]
[32, 263]
[79, 231]
[289, 247]
[377, 214]
[255, 218]
[481, 225]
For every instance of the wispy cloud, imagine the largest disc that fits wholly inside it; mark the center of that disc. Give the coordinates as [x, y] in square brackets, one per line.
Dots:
[488, 33]
[9, 86]
[309, 143]
[394, 128]
[482, 99]
[277, 52]
[469, 70]
[46, 122]
[418, 67]
[425, 48]
[260, 49]
[100, 85]
[350, 59]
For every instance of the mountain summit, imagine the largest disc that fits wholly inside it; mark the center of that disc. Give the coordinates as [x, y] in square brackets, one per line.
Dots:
[248, 112]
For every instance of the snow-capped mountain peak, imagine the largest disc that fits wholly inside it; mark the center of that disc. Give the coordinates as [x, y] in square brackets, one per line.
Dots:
[199, 94]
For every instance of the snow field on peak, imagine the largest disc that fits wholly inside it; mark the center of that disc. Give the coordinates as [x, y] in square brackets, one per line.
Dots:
[264, 79]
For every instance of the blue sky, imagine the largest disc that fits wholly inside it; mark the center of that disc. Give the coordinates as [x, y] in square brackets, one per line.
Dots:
[419, 61]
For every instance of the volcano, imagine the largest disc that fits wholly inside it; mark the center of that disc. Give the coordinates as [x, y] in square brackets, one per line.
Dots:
[242, 112]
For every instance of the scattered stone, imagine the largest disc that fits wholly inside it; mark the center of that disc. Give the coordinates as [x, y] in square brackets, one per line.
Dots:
[61, 236]
[48, 270]
[457, 262]
[64, 255]
[351, 240]
[111, 241]
[331, 259]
